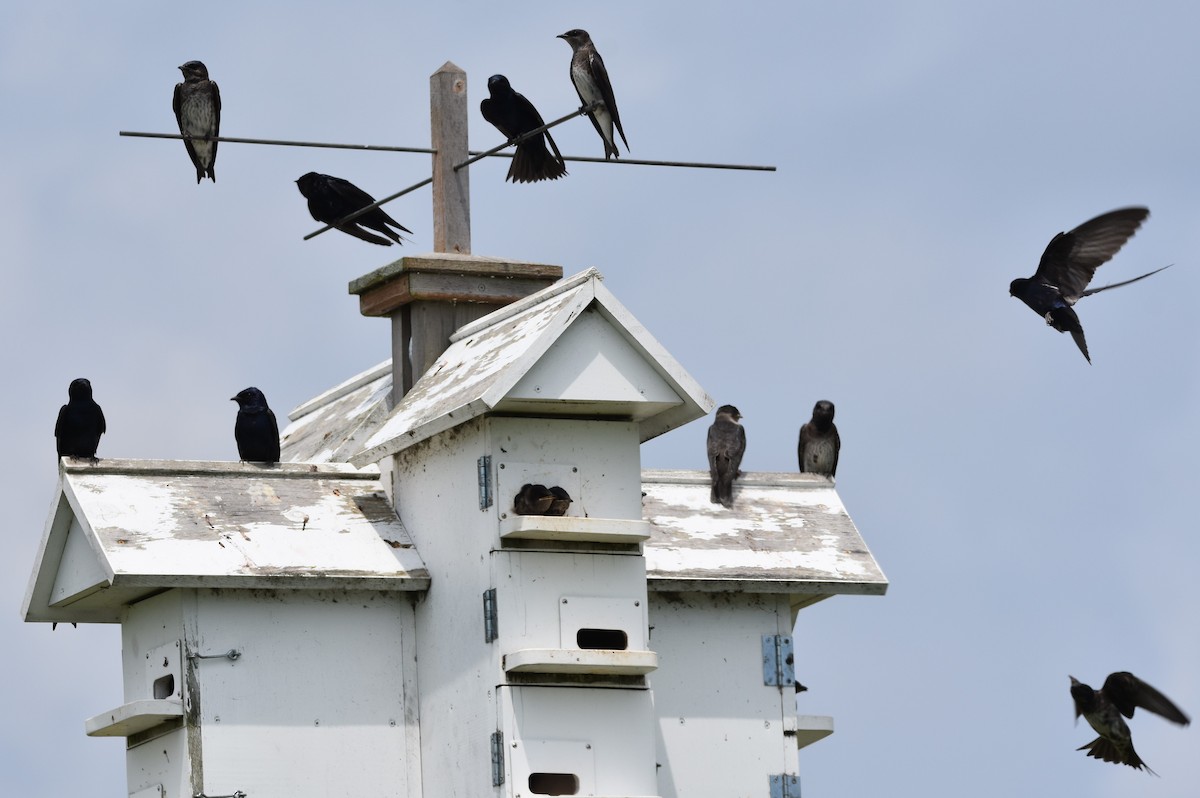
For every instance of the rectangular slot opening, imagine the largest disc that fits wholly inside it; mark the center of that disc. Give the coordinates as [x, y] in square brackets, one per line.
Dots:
[607, 639]
[553, 783]
[164, 686]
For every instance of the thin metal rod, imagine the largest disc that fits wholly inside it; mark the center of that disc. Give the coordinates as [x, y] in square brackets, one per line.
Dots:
[641, 162]
[529, 134]
[280, 142]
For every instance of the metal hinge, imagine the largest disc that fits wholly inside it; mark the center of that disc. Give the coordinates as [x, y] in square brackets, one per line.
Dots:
[778, 662]
[785, 786]
[491, 628]
[498, 758]
[484, 466]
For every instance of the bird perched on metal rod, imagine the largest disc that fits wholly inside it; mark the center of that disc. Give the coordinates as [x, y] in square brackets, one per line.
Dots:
[819, 444]
[1121, 695]
[726, 445]
[80, 422]
[592, 84]
[513, 115]
[256, 431]
[197, 105]
[1068, 265]
[331, 199]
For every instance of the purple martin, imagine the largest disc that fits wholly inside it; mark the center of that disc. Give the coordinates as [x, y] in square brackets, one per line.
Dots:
[1121, 695]
[532, 500]
[726, 445]
[560, 501]
[592, 84]
[332, 198]
[819, 443]
[255, 430]
[197, 107]
[1068, 265]
[514, 115]
[80, 422]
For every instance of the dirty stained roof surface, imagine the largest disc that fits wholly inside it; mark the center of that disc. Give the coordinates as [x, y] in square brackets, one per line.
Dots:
[336, 424]
[122, 529]
[786, 533]
[489, 356]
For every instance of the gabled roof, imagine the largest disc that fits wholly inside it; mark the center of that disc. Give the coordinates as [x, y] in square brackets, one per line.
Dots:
[786, 533]
[331, 427]
[571, 349]
[121, 530]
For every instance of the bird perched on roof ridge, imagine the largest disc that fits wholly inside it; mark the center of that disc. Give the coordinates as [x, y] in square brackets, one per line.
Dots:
[1068, 265]
[726, 445]
[197, 105]
[819, 445]
[590, 78]
[513, 115]
[256, 431]
[331, 199]
[1121, 694]
[80, 422]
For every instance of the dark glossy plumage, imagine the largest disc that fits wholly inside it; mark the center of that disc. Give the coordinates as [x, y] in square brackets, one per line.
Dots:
[726, 445]
[1103, 709]
[197, 106]
[256, 432]
[332, 198]
[819, 445]
[514, 115]
[590, 78]
[80, 422]
[532, 500]
[1068, 265]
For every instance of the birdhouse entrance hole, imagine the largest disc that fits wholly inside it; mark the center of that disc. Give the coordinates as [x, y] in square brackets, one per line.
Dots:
[606, 639]
[164, 686]
[553, 783]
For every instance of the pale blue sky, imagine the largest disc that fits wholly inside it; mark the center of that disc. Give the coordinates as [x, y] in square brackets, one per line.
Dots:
[1035, 514]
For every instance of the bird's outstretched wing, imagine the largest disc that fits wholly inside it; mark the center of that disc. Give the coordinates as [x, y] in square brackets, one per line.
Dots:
[1071, 259]
[1127, 692]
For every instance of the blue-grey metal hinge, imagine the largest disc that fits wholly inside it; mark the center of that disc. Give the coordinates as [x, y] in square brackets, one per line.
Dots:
[785, 786]
[491, 629]
[498, 759]
[778, 661]
[484, 466]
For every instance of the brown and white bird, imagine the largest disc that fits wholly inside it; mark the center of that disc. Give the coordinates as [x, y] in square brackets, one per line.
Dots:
[532, 499]
[726, 445]
[1103, 709]
[197, 106]
[817, 451]
[591, 84]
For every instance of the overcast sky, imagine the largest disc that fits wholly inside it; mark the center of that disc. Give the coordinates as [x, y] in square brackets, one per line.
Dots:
[1035, 515]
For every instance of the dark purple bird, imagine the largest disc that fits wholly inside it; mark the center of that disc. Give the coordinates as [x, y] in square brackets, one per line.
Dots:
[80, 422]
[331, 199]
[819, 444]
[1068, 265]
[591, 84]
[197, 107]
[1103, 709]
[726, 445]
[256, 432]
[514, 115]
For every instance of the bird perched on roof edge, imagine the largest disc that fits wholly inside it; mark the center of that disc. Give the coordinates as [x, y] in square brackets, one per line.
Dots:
[513, 115]
[256, 431]
[331, 199]
[590, 78]
[1121, 695]
[80, 422]
[726, 445]
[197, 105]
[819, 445]
[1068, 265]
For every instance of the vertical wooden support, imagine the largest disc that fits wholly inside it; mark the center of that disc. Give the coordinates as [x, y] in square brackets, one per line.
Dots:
[451, 189]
